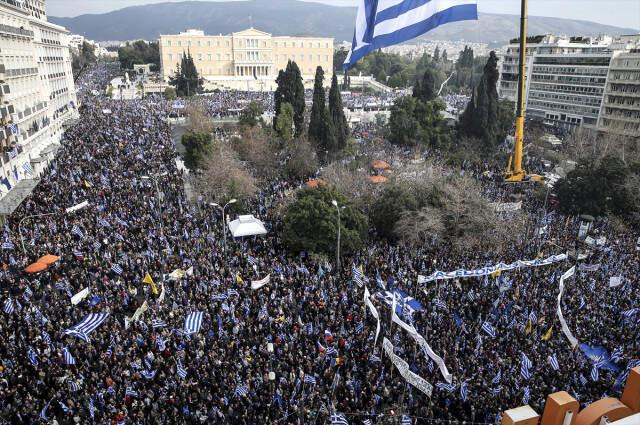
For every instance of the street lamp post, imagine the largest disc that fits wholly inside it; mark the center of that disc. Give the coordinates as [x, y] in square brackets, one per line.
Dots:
[24, 251]
[335, 204]
[224, 223]
[154, 178]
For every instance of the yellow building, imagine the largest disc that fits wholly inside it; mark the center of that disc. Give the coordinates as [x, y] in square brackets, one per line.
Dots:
[246, 60]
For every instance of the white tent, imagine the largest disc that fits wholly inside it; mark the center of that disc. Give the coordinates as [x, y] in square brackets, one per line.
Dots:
[246, 225]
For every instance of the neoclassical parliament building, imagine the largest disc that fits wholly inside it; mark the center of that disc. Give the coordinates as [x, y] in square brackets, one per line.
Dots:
[246, 60]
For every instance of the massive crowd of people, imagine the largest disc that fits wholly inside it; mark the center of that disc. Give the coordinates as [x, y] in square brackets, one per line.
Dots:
[294, 351]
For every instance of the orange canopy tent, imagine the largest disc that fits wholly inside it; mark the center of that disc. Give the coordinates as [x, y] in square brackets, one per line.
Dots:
[36, 267]
[377, 179]
[380, 165]
[48, 259]
[315, 183]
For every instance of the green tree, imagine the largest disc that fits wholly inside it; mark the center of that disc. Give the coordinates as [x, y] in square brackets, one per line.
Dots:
[425, 90]
[436, 54]
[403, 125]
[170, 93]
[389, 206]
[251, 114]
[317, 124]
[284, 122]
[291, 90]
[480, 118]
[140, 53]
[186, 80]
[311, 222]
[338, 120]
[197, 147]
[110, 91]
[86, 56]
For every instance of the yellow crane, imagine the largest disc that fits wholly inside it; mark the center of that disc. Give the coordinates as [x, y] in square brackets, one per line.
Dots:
[515, 173]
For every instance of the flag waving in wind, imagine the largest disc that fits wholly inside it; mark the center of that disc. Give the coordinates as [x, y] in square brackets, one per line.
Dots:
[383, 23]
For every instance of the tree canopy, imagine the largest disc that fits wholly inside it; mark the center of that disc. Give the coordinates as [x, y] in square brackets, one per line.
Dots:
[291, 90]
[139, 53]
[197, 147]
[186, 80]
[311, 222]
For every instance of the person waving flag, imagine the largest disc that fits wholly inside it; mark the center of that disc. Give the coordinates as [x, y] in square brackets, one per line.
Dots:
[383, 23]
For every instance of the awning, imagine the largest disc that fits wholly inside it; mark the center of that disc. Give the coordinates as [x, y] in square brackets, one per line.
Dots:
[246, 225]
[16, 195]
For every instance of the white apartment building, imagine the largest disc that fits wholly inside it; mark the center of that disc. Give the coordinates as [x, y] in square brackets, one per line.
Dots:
[37, 95]
[565, 78]
[620, 112]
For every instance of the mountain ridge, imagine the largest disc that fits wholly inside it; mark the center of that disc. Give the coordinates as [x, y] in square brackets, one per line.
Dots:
[149, 21]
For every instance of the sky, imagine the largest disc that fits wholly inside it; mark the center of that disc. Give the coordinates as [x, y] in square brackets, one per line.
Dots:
[621, 13]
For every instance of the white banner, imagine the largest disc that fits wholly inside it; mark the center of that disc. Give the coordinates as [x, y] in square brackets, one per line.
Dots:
[80, 296]
[601, 241]
[565, 329]
[77, 207]
[374, 312]
[491, 269]
[402, 366]
[422, 343]
[588, 267]
[139, 311]
[257, 284]
[615, 281]
[584, 229]
[506, 206]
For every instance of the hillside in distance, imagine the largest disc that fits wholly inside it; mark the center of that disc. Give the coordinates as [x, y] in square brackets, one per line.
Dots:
[291, 17]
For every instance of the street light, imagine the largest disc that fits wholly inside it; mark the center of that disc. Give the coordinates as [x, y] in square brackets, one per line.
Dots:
[154, 178]
[335, 204]
[224, 222]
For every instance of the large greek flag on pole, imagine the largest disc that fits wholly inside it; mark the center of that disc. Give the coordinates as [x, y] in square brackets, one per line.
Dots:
[382, 23]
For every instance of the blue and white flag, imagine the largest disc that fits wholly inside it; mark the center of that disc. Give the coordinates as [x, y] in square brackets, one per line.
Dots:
[526, 396]
[86, 326]
[553, 361]
[68, 358]
[357, 276]
[8, 306]
[161, 343]
[309, 379]
[33, 357]
[524, 368]
[339, 419]
[383, 23]
[8, 245]
[445, 387]
[241, 390]
[116, 268]
[158, 323]
[404, 301]
[486, 326]
[498, 377]
[182, 372]
[464, 391]
[406, 420]
[193, 323]
[76, 231]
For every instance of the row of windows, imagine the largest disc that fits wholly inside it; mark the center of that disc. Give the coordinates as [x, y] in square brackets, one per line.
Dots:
[625, 88]
[581, 110]
[582, 100]
[253, 56]
[570, 70]
[251, 43]
[569, 79]
[587, 90]
[623, 100]
[629, 126]
[622, 113]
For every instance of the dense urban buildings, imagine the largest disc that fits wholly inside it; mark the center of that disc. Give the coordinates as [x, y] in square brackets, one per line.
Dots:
[37, 94]
[246, 60]
[566, 77]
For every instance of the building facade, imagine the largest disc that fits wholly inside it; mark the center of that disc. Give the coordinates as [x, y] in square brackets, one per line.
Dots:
[620, 112]
[246, 60]
[37, 93]
[565, 79]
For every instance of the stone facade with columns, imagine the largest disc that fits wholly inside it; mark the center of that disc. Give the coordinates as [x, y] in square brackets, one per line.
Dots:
[246, 60]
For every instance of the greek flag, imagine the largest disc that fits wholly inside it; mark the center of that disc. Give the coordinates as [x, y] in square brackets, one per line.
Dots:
[78, 254]
[130, 392]
[74, 386]
[526, 395]
[8, 245]
[308, 379]
[339, 419]
[43, 412]
[33, 357]
[27, 168]
[616, 355]
[148, 374]
[524, 368]
[445, 387]
[553, 361]
[374, 359]
[486, 326]
[182, 372]
[595, 374]
[76, 231]
[358, 277]
[406, 420]
[241, 390]
[533, 317]
[8, 306]
[464, 391]
[64, 407]
[68, 358]
[367, 422]
[360, 327]
[251, 260]
[92, 408]
[439, 303]
[383, 23]
[115, 267]
[232, 292]
[46, 337]
[104, 223]
[498, 377]
[86, 326]
[158, 323]
[330, 350]
[162, 345]
[583, 380]
[628, 314]
[193, 323]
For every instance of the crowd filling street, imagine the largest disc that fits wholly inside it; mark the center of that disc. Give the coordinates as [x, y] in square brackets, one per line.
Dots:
[300, 348]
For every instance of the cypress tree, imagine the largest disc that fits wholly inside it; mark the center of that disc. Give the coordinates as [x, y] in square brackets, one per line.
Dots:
[336, 112]
[317, 109]
[425, 90]
[480, 118]
[291, 90]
